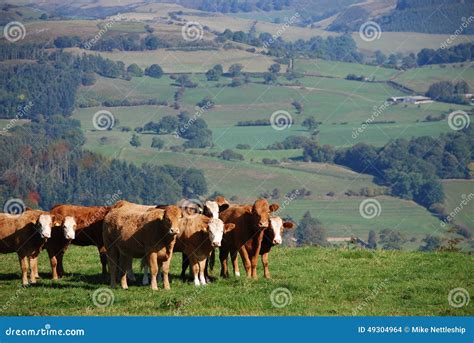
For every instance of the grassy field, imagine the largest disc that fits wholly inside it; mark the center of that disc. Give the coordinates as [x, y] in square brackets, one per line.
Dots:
[342, 69]
[335, 283]
[456, 191]
[420, 79]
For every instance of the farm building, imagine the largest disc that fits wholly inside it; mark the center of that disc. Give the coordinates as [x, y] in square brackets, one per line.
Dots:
[412, 99]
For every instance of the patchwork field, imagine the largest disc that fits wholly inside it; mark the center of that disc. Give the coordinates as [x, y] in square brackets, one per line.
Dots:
[457, 192]
[335, 283]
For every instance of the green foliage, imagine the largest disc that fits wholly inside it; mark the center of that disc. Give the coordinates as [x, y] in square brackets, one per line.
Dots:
[135, 141]
[458, 53]
[157, 143]
[135, 70]
[270, 78]
[274, 68]
[392, 239]
[431, 243]
[449, 92]
[310, 231]
[154, 71]
[235, 69]
[230, 154]
[372, 240]
[311, 123]
[290, 142]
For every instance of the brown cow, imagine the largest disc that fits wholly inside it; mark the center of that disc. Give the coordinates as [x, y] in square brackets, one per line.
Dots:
[246, 238]
[26, 234]
[272, 237]
[198, 237]
[88, 231]
[134, 231]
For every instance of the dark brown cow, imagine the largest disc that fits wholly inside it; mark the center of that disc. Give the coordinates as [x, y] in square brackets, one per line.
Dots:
[271, 237]
[26, 234]
[246, 238]
[88, 231]
[134, 231]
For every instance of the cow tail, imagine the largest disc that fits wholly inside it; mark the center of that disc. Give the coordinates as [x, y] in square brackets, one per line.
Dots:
[212, 259]
[143, 263]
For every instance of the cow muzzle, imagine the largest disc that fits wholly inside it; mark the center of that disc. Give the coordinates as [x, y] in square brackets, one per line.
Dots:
[174, 231]
[277, 241]
[45, 235]
[216, 244]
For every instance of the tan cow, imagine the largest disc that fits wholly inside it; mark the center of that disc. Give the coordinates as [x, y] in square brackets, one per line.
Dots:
[135, 231]
[26, 234]
[246, 238]
[198, 237]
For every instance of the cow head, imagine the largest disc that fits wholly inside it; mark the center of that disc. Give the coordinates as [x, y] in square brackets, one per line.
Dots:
[44, 224]
[171, 218]
[69, 227]
[261, 213]
[216, 228]
[213, 208]
[277, 225]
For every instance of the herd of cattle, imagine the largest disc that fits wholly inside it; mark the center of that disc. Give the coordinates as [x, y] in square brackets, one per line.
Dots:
[126, 231]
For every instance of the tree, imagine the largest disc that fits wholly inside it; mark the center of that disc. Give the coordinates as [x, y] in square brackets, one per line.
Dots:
[310, 231]
[372, 240]
[135, 70]
[168, 124]
[310, 123]
[212, 75]
[269, 78]
[380, 58]
[135, 141]
[235, 69]
[229, 154]
[298, 106]
[274, 68]
[154, 71]
[392, 239]
[157, 143]
[314, 152]
[461, 87]
[432, 243]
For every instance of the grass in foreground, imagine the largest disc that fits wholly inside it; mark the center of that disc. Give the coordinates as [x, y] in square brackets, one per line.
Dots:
[322, 282]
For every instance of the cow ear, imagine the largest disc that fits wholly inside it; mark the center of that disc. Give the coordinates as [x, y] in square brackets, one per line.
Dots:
[274, 207]
[223, 207]
[228, 227]
[57, 220]
[288, 225]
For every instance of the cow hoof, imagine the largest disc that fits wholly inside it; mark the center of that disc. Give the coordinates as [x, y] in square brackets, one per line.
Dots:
[154, 288]
[237, 274]
[33, 282]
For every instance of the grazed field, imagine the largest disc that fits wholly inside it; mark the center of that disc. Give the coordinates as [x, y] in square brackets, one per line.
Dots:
[456, 192]
[420, 79]
[336, 282]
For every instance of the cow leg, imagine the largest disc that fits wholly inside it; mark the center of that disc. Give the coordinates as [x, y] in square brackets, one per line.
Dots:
[166, 270]
[246, 261]
[235, 263]
[254, 264]
[202, 266]
[266, 271]
[195, 269]
[223, 258]
[103, 260]
[153, 263]
[113, 260]
[184, 267]
[206, 271]
[125, 266]
[60, 267]
[33, 269]
[54, 264]
[24, 270]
